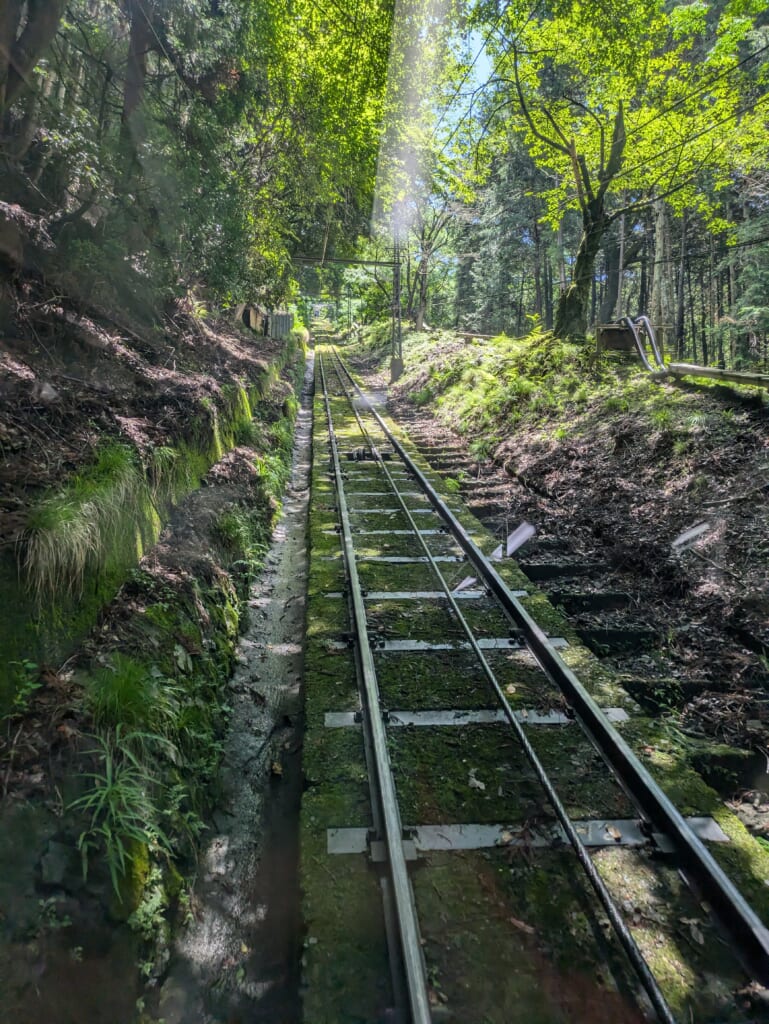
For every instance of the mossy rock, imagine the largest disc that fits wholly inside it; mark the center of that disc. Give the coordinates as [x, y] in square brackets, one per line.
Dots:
[132, 883]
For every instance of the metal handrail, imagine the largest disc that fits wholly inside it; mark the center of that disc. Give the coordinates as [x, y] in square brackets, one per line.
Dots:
[645, 322]
[633, 326]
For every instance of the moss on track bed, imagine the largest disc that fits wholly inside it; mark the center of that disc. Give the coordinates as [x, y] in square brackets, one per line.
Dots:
[452, 679]
[439, 773]
[510, 934]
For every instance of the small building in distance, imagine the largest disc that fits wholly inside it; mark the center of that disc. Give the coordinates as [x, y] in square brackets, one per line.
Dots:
[268, 323]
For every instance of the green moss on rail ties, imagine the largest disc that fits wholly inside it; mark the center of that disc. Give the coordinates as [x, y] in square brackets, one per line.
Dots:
[479, 773]
[331, 684]
[336, 757]
[452, 679]
[535, 953]
[428, 619]
[345, 979]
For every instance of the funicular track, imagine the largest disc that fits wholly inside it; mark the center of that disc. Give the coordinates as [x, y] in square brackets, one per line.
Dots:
[372, 472]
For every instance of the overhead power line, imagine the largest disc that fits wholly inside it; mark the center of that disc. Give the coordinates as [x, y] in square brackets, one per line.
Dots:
[321, 260]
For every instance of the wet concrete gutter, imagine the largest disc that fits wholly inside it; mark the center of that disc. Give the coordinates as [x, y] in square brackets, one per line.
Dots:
[238, 957]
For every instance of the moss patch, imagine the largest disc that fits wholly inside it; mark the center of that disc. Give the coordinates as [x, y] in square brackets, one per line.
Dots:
[82, 538]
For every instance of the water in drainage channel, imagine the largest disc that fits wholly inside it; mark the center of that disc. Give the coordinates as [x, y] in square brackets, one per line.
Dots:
[239, 956]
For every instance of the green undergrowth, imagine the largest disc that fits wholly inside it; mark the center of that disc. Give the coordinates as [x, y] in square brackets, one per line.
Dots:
[82, 539]
[486, 388]
[155, 702]
[147, 710]
[156, 707]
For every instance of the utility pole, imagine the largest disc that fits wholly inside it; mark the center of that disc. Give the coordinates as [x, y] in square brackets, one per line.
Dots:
[621, 267]
[396, 353]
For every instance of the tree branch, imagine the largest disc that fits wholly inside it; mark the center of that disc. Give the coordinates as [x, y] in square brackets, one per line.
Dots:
[43, 17]
[527, 113]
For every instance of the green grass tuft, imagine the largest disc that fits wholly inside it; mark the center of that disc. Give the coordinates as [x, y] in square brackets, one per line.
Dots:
[125, 693]
[105, 506]
[119, 807]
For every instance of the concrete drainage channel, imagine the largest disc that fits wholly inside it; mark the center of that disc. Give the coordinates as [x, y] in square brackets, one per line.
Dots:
[508, 928]
[238, 958]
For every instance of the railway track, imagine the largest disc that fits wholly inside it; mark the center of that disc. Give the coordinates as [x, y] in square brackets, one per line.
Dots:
[480, 843]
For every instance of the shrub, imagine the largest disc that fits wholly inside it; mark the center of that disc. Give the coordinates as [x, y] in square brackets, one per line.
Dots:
[121, 813]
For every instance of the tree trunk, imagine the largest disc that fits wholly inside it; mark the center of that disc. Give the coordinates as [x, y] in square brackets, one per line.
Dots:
[548, 269]
[139, 45]
[611, 256]
[663, 293]
[10, 16]
[538, 308]
[620, 267]
[561, 260]
[422, 305]
[519, 315]
[692, 319]
[643, 288]
[680, 295]
[21, 55]
[703, 317]
[571, 314]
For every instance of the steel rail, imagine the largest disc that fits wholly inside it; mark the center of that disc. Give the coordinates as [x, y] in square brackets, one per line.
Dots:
[403, 895]
[623, 933]
[746, 929]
